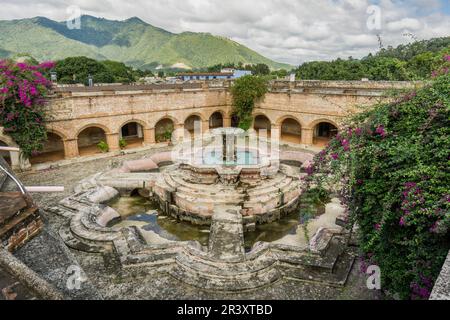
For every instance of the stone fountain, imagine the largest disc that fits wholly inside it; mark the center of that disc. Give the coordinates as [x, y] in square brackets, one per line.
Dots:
[231, 180]
[229, 167]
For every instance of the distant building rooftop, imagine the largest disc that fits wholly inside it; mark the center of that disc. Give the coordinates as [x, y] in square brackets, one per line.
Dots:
[205, 74]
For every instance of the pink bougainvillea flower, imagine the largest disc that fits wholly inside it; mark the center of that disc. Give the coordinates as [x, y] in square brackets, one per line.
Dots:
[309, 170]
[47, 65]
[381, 131]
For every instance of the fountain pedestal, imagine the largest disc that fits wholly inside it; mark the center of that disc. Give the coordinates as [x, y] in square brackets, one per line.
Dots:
[226, 241]
[229, 175]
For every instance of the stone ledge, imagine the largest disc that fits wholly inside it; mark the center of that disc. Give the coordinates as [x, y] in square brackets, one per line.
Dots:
[441, 290]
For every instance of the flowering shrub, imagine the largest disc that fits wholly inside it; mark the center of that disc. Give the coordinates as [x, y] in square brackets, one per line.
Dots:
[23, 89]
[392, 163]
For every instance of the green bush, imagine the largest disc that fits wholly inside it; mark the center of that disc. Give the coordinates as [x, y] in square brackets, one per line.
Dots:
[165, 136]
[103, 146]
[122, 143]
[393, 165]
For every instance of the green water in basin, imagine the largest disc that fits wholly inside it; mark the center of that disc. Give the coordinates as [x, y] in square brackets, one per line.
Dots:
[311, 206]
[143, 213]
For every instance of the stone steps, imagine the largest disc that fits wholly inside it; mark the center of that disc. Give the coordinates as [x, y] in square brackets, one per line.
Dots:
[271, 190]
[180, 182]
[219, 197]
[72, 242]
[325, 260]
[198, 199]
[211, 280]
[336, 276]
[266, 182]
[89, 234]
[225, 269]
[270, 200]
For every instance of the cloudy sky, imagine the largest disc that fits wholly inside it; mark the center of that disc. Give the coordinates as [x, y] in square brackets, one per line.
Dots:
[291, 31]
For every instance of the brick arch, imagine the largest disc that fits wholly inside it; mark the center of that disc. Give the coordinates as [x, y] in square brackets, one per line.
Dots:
[197, 114]
[167, 116]
[259, 113]
[138, 121]
[160, 133]
[53, 148]
[314, 123]
[93, 125]
[280, 120]
[222, 112]
[57, 132]
[212, 123]
[256, 115]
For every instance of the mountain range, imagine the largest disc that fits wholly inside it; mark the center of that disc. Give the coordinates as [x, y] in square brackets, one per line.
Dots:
[132, 41]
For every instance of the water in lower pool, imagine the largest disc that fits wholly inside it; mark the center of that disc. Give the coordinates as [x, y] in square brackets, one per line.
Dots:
[311, 206]
[142, 213]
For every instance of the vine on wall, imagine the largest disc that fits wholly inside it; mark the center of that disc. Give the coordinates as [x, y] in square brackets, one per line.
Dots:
[246, 91]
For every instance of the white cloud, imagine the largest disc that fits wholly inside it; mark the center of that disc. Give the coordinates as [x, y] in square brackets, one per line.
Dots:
[290, 31]
[404, 24]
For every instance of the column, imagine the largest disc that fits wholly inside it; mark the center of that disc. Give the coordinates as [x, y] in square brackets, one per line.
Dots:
[178, 134]
[112, 139]
[140, 130]
[307, 136]
[275, 143]
[227, 122]
[205, 126]
[70, 148]
[149, 136]
[15, 160]
[275, 131]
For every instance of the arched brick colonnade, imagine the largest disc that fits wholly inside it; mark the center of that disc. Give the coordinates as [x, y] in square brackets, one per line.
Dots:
[301, 112]
[292, 128]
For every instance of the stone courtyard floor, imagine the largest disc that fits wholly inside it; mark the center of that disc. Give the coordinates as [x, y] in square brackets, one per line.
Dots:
[48, 256]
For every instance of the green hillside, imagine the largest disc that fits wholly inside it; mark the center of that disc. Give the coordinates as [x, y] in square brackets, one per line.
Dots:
[131, 41]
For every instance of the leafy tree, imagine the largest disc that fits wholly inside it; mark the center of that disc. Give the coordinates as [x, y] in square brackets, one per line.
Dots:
[120, 72]
[259, 69]
[414, 61]
[246, 91]
[386, 69]
[279, 73]
[77, 70]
